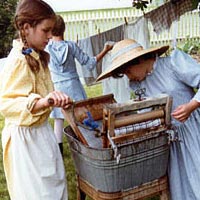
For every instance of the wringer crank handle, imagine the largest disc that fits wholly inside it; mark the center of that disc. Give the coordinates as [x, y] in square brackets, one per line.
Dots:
[51, 101]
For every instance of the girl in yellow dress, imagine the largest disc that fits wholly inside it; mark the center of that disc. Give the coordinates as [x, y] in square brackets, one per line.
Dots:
[32, 161]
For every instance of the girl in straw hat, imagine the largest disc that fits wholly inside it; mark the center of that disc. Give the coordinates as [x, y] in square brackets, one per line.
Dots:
[176, 75]
[32, 161]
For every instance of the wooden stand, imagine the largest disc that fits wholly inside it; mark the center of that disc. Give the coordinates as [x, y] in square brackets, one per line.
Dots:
[150, 189]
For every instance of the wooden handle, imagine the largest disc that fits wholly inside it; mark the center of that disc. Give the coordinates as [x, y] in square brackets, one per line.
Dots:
[50, 101]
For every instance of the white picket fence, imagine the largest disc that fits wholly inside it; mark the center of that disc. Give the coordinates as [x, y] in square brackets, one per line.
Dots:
[82, 24]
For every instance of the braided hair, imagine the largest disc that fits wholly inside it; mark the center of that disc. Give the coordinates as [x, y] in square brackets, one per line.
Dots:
[32, 12]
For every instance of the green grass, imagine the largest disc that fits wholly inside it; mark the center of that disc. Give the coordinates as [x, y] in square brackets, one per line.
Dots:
[3, 188]
[92, 91]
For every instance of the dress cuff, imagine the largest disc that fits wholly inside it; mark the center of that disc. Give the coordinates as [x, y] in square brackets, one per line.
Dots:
[32, 99]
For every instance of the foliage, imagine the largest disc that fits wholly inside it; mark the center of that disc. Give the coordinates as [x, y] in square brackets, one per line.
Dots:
[7, 30]
[140, 4]
[191, 47]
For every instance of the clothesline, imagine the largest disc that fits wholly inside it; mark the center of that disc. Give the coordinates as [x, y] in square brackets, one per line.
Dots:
[161, 19]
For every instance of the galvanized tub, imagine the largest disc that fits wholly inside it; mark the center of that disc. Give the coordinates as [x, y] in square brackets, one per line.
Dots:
[142, 160]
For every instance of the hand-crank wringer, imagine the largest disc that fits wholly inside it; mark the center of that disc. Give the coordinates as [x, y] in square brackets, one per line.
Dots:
[118, 146]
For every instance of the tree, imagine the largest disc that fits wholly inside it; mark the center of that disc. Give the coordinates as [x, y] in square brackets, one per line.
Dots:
[142, 4]
[7, 30]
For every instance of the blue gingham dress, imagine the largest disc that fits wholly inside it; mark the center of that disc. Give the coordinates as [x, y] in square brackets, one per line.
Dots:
[177, 75]
[63, 70]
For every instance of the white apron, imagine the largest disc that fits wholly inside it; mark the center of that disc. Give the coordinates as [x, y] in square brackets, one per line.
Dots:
[33, 164]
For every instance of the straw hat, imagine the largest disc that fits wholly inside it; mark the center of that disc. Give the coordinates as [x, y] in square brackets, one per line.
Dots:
[125, 51]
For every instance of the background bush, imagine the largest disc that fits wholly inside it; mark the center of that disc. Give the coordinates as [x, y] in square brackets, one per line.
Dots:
[7, 30]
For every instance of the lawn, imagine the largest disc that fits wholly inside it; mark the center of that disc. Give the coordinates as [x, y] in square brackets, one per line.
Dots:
[92, 91]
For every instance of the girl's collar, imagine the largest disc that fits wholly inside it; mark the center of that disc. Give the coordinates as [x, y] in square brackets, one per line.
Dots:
[30, 51]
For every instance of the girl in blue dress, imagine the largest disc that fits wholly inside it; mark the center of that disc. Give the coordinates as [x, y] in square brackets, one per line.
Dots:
[176, 75]
[64, 73]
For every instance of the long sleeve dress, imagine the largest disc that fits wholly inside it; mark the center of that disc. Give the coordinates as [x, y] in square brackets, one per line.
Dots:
[32, 161]
[63, 70]
[178, 75]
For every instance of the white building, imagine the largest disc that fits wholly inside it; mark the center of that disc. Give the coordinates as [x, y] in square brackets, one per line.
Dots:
[67, 5]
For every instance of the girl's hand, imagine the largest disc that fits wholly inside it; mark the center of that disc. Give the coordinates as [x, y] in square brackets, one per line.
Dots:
[182, 112]
[54, 99]
[108, 46]
[58, 99]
